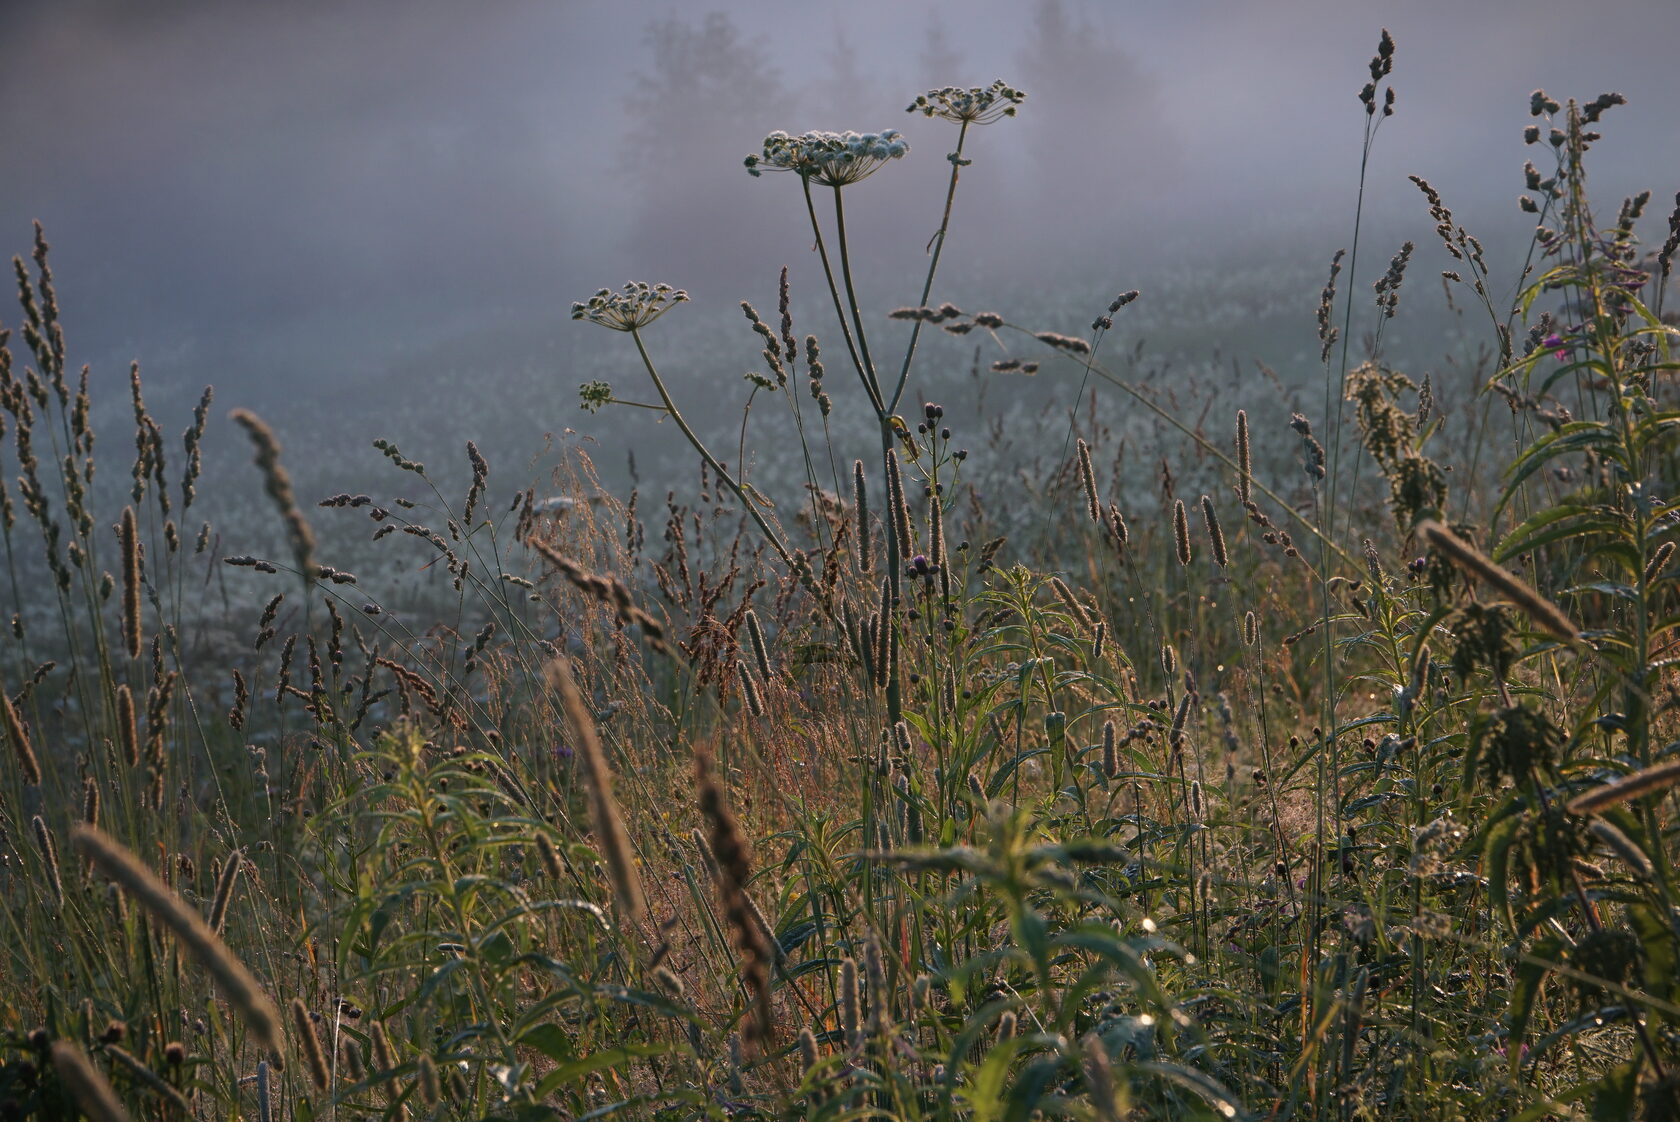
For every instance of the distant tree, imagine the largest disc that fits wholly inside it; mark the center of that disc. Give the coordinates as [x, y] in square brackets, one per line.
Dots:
[706, 99]
[842, 90]
[939, 63]
[1089, 97]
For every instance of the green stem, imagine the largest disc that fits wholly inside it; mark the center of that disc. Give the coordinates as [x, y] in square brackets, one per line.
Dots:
[868, 364]
[746, 500]
[933, 267]
[839, 311]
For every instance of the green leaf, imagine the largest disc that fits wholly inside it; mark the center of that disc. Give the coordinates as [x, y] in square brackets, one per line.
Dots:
[551, 1040]
[568, 1074]
[1531, 971]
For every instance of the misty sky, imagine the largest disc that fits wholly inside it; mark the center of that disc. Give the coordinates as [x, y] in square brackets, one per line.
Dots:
[303, 193]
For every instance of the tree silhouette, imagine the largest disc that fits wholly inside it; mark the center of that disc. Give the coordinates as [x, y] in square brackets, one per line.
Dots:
[707, 99]
[938, 63]
[1089, 94]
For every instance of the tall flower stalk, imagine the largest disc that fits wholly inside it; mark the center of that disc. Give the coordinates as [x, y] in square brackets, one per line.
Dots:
[837, 160]
[630, 310]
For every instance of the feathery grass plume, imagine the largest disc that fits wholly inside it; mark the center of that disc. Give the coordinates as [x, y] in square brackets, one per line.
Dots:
[1175, 735]
[28, 764]
[1658, 777]
[760, 650]
[1116, 525]
[884, 635]
[49, 856]
[897, 506]
[87, 1084]
[128, 726]
[936, 544]
[1088, 482]
[235, 981]
[90, 801]
[875, 974]
[1198, 802]
[1622, 846]
[860, 506]
[1110, 757]
[808, 1057]
[265, 625]
[1099, 1076]
[1215, 535]
[1473, 561]
[851, 1018]
[1070, 602]
[128, 533]
[1181, 532]
[1169, 660]
[1327, 334]
[749, 688]
[605, 819]
[1251, 629]
[310, 1045]
[1245, 466]
[241, 697]
[154, 1082]
[669, 982]
[1098, 638]
[225, 882]
[733, 855]
[912, 812]
[384, 1058]
[278, 484]
[1387, 286]
[1006, 1024]
[431, 1090]
[549, 856]
[1659, 562]
[350, 1053]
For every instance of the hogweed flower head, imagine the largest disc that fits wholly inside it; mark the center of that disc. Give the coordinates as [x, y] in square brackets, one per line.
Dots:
[635, 306]
[832, 159]
[979, 105]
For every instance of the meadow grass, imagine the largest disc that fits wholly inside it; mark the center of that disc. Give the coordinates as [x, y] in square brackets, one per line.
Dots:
[1114, 762]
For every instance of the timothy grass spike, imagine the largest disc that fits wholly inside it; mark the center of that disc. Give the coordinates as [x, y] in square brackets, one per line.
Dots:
[28, 764]
[236, 982]
[1473, 561]
[87, 1084]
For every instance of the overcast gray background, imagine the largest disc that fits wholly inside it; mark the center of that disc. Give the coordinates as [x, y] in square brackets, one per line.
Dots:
[341, 204]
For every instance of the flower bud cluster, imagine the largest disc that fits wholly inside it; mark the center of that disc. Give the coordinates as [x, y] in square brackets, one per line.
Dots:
[832, 159]
[635, 306]
[976, 106]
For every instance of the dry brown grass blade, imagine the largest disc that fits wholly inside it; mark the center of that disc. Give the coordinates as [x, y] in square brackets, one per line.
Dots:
[237, 983]
[605, 818]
